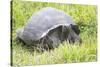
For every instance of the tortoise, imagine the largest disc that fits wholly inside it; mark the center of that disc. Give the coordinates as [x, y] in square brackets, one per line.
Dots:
[49, 27]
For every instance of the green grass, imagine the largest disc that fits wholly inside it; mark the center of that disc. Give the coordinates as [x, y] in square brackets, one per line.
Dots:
[65, 53]
[83, 15]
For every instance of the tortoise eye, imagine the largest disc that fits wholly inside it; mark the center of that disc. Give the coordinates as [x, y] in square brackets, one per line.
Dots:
[75, 29]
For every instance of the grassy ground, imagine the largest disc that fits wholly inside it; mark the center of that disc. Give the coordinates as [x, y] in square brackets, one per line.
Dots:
[83, 15]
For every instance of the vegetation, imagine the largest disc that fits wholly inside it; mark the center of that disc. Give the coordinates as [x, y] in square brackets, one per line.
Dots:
[83, 15]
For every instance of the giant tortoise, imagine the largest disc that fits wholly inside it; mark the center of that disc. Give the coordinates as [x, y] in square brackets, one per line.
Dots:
[49, 27]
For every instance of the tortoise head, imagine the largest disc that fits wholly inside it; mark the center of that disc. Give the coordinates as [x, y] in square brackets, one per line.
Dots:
[73, 35]
[75, 28]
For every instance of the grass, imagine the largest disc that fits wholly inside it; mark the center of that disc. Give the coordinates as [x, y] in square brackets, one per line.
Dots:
[65, 53]
[83, 15]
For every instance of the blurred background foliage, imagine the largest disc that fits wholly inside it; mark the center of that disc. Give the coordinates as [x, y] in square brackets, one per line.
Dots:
[83, 15]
